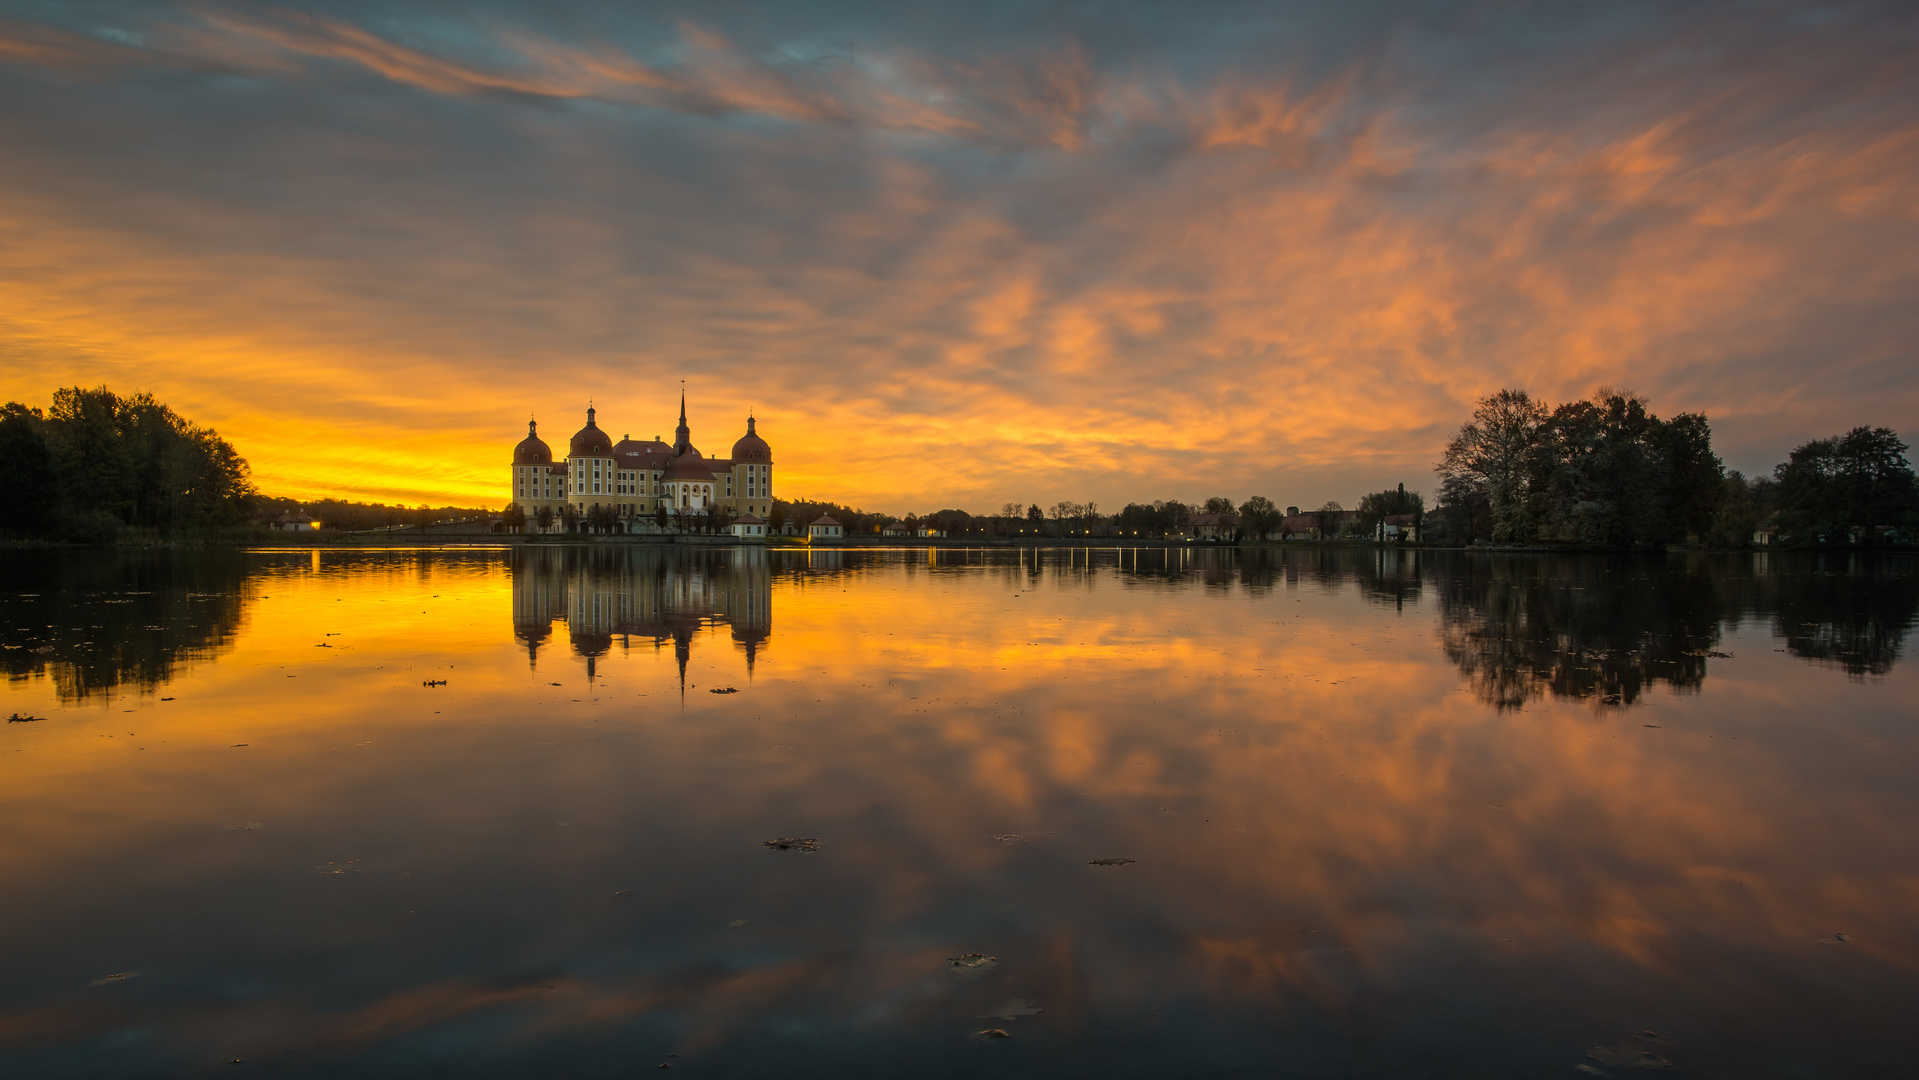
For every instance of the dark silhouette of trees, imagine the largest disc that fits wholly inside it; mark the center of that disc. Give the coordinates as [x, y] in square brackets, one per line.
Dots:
[1491, 457]
[1604, 471]
[1259, 517]
[1153, 519]
[29, 488]
[1844, 489]
[96, 461]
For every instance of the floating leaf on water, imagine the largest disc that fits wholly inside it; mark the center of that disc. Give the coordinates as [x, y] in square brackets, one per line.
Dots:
[724, 690]
[118, 976]
[245, 826]
[793, 843]
[1109, 862]
[1013, 1009]
[351, 866]
[18, 718]
[1010, 838]
[972, 960]
[736, 924]
[994, 1033]
[1836, 939]
[442, 682]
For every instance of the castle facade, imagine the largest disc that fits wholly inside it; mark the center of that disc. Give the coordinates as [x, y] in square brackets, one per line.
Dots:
[637, 479]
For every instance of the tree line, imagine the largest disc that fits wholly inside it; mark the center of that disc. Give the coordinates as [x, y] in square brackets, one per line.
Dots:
[1256, 518]
[1608, 472]
[95, 462]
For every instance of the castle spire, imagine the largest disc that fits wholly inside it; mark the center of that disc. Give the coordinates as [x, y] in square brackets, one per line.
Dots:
[682, 435]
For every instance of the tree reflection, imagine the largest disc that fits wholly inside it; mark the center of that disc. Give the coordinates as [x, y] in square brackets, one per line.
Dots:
[1850, 612]
[1608, 628]
[98, 620]
[1578, 627]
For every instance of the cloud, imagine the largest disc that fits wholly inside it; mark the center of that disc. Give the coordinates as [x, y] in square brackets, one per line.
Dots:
[952, 261]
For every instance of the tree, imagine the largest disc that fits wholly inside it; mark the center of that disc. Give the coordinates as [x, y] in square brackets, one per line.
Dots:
[514, 518]
[1493, 451]
[29, 488]
[1831, 490]
[1695, 477]
[1329, 519]
[1259, 517]
[1218, 504]
[1036, 517]
[133, 461]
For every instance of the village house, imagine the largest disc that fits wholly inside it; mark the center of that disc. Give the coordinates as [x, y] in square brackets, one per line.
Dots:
[825, 528]
[1213, 526]
[1397, 527]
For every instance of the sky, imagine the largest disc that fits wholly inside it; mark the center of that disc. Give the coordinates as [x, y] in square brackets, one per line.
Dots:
[956, 255]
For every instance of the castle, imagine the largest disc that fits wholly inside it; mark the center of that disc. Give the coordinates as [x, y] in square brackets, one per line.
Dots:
[638, 479]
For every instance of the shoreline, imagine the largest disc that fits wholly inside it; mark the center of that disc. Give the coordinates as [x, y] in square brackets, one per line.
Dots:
[406, 541]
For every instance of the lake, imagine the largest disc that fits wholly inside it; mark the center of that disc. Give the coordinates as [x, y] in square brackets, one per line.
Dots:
[1034, 813]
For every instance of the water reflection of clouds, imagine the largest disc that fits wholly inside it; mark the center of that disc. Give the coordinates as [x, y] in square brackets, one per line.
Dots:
[1331, 844]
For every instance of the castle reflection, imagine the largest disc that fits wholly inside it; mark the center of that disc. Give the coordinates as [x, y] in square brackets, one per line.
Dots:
[631, 594]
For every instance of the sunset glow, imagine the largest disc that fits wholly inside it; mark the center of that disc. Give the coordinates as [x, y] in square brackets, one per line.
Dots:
[952, 259]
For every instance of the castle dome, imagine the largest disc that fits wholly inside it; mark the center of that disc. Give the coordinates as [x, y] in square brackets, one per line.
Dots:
[590, 441]
[532, 449]
[751, 449]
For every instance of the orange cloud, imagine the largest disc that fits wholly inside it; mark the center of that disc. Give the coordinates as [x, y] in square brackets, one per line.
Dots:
[943, 274]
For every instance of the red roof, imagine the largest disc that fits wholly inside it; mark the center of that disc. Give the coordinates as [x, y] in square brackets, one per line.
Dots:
[825, 520]
[691, 466]
[752, 448]
[532, 450]
[748, 519]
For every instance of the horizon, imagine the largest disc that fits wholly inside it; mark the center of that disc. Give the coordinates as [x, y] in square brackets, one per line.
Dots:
[954, 259]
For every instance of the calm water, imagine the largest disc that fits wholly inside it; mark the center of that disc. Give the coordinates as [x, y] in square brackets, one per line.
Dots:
[1390, 815]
